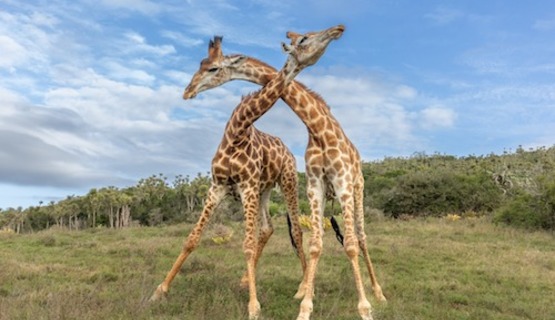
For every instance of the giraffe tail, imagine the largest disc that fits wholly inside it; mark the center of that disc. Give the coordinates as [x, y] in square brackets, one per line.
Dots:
[337, 230]
[290, 227]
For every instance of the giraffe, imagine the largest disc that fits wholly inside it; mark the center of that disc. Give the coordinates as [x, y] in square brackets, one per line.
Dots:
[280, 165]
[333, 164]
[236, 167]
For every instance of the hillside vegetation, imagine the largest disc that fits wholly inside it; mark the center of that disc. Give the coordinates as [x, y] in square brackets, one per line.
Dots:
[515, 188]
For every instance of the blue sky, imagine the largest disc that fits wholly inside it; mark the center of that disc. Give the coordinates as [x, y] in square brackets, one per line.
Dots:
[90, 91]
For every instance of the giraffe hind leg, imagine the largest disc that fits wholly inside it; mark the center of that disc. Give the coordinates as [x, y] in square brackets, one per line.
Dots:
[215, 195]
[264, 234]
[376, 288]
[346, 196]
[289, 184]
[361, 235]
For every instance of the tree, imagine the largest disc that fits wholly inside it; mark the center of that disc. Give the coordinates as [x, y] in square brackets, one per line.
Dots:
[92, 203]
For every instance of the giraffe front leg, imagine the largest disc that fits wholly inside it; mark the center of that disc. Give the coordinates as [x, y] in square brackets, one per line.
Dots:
[215, 195]
[250, 199]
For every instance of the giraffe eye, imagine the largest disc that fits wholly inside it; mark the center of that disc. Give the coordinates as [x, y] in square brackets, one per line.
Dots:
[302, 39]
[213, 69]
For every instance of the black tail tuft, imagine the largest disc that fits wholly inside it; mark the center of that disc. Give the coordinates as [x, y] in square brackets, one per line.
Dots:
[337, 230]
[291, 235]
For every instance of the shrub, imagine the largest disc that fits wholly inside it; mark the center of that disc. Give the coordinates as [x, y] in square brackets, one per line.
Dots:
[530, 211]
[436, 192]
[521, 212]
[220, 234]
[306, 223]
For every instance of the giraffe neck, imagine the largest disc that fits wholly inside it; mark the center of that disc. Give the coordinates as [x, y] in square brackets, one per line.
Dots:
[308, 105]
[253, 106]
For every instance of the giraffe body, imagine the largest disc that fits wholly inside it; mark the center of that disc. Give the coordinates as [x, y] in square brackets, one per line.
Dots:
[333, 166]
[239, 165]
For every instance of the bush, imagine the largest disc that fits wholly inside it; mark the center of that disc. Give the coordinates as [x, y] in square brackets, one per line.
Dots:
[437, 192]
[520, 212]
[530, 211]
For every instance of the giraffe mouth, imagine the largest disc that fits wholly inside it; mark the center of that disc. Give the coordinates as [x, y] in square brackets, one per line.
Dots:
[189, 95]
[337, 31]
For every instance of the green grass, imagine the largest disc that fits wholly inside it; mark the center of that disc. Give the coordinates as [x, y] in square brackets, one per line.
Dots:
[428, 269]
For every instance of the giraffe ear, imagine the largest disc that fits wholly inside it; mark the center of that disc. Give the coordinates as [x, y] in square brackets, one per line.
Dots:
[292, 35]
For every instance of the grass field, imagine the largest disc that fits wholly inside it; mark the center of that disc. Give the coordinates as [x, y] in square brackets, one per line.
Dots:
[428, 269]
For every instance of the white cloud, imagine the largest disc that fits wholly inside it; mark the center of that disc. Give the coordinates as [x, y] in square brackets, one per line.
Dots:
[406, 92]
[43, 19]
[375, 112]
[91, 91]
[181, 39]
[265, 27]
[437, 117]
[91, 144]
[443, 15]
[137, 44]
[120, 72]
[134, 37]
[9, 98]
[143, 6]
[108, 102]
[13, 54]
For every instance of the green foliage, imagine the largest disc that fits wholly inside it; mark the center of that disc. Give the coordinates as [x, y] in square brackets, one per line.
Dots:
[304, 206]
[521, 211]
[531, 211]
[420, 185]
[437, 185]
[438, 192]
[277, 208]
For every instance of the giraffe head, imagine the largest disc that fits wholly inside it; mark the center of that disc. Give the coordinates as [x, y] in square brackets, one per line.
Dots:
[217, 69]
[214, 70]
[307, 48]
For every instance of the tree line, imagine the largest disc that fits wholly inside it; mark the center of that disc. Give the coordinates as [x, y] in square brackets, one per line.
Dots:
[516, 188]
[152, 201]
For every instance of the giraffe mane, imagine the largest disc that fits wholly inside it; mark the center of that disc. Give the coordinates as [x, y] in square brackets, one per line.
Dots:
[312, 93]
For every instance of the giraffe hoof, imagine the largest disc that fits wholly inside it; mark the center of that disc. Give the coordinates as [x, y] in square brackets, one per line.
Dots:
[306, 310]
[254, 310]
[244, 284]
[366, 316]
[299, 295]
[379, 294]
[365, 310]
[158, 294]
[301, 291]
[303, 317]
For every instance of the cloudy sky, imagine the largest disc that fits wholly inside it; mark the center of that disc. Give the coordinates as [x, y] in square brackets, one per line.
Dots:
[90, 91]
